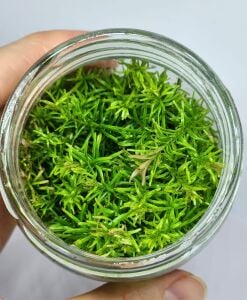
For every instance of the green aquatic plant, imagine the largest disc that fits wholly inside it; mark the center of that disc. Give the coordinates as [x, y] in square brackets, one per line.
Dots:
[120, 163]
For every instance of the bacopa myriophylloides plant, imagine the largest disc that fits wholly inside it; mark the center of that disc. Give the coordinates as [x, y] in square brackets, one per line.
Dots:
[120, 163]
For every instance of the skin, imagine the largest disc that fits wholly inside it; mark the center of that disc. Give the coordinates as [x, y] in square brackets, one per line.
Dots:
[15, 59]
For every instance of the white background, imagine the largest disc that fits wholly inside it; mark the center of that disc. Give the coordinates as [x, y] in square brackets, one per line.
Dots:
[214, 29]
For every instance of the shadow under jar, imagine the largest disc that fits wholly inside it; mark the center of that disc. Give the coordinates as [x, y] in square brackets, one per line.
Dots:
[117, 44]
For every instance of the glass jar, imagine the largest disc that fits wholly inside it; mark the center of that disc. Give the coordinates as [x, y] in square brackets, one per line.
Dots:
[114, 44]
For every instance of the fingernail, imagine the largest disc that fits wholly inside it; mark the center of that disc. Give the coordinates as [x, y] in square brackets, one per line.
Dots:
[186, 288]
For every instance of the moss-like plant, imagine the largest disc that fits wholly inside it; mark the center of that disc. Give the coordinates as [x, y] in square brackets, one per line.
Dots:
[120, 163]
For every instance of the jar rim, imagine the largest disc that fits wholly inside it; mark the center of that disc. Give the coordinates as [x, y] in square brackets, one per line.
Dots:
[208, 223]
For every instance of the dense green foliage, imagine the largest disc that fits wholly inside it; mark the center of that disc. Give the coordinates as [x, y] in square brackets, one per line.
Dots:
[119, 163]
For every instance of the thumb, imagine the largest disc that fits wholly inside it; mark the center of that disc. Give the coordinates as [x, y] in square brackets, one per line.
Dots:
[178, 285]
[17, 57]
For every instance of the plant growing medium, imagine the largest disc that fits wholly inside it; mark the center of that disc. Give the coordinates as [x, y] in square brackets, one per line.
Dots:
[119, 163]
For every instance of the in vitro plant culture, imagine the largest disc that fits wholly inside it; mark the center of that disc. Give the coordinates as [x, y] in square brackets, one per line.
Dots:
[120, 162]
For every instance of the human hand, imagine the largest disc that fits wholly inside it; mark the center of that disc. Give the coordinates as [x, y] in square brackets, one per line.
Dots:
[15, 59]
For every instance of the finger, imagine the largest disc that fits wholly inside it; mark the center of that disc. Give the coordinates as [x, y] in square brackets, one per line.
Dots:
[17, 57]
[174, 286]
[7, 225]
